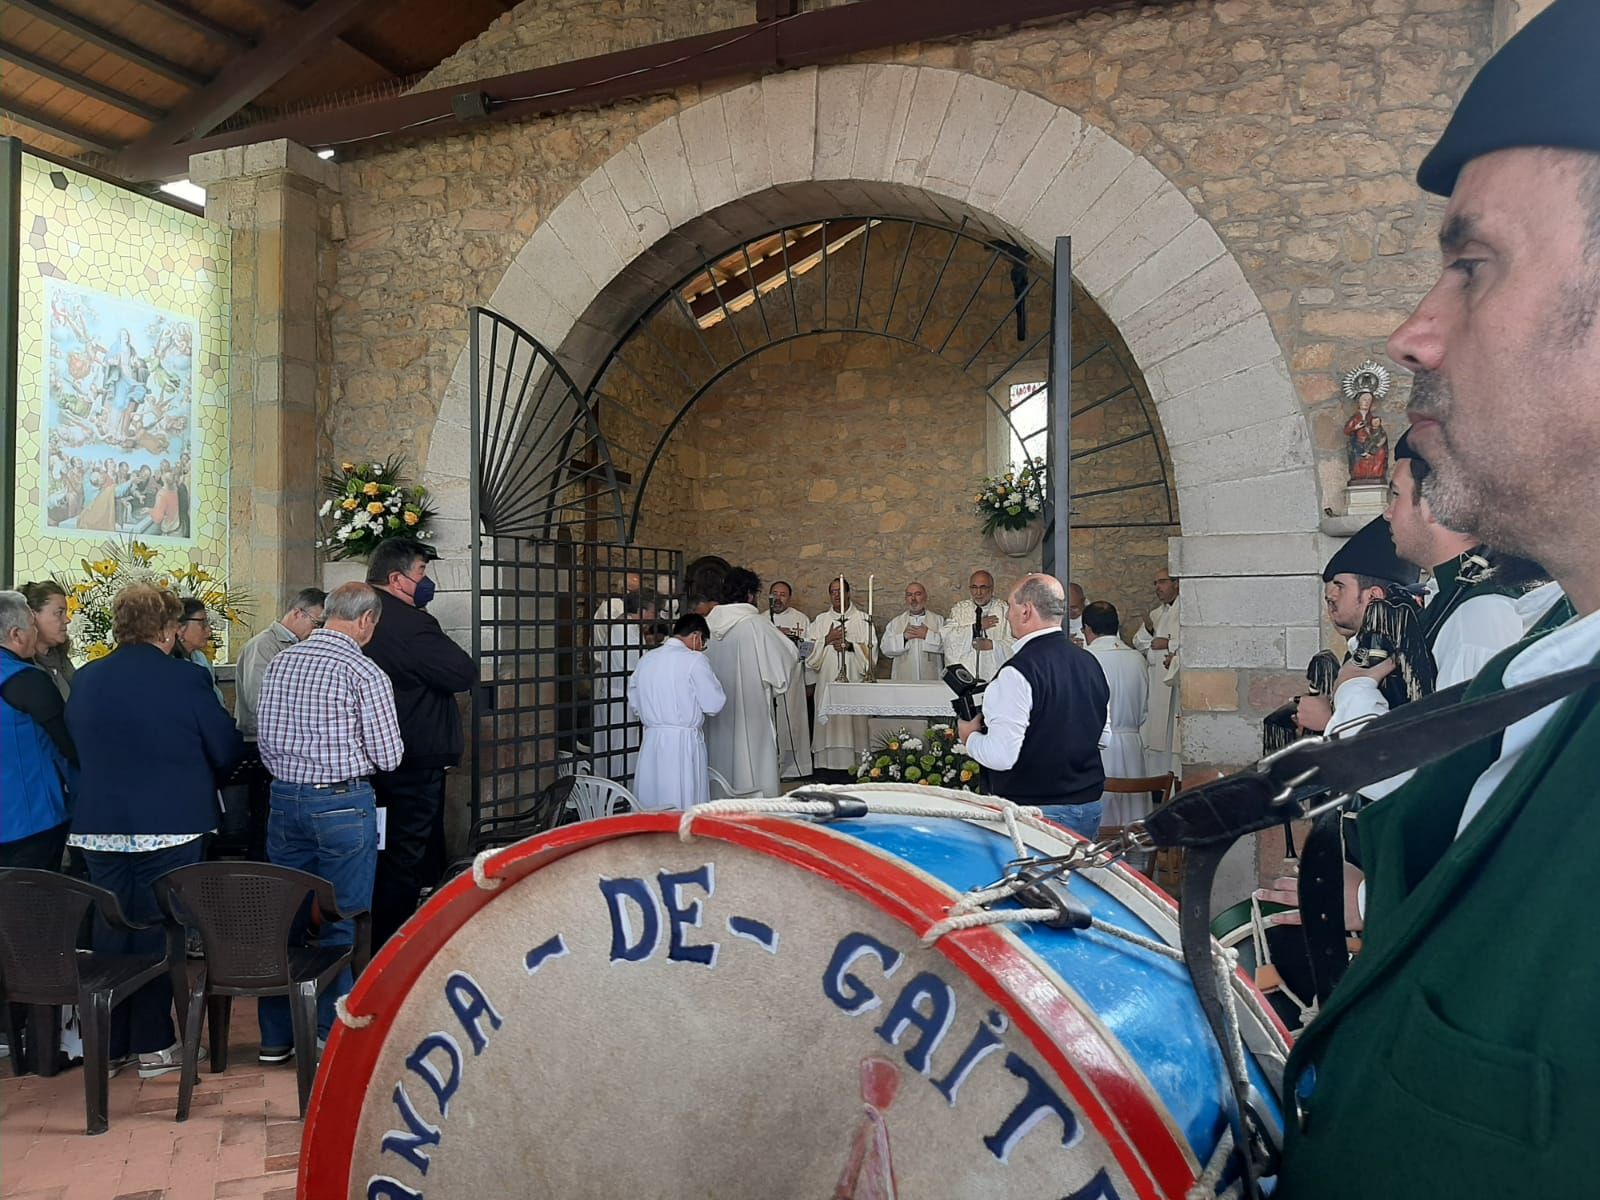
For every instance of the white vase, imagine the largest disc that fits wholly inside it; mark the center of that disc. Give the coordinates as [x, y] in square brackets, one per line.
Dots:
[1017, 543]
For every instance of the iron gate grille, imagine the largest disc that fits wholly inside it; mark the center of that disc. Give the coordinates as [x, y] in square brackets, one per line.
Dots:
[555, 646]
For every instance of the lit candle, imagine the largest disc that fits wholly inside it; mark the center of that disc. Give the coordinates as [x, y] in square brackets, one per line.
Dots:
[870, 579]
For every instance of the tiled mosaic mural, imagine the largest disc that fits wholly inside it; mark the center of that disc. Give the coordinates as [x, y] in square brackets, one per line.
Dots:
[122, 375]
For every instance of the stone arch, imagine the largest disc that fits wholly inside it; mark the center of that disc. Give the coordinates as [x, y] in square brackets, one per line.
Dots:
[1242, 457]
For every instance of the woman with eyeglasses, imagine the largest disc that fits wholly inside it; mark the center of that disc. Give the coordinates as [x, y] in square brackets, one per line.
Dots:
[194, 633]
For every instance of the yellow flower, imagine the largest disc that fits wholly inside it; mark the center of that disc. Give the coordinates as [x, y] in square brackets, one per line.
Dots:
[347, 466]
[412, 518]
[96, 650]
[375, 508]
[349, 505]
[371, 489]
[876, 773]
[73, 605]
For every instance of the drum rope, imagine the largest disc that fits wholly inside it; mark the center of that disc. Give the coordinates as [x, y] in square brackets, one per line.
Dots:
[1205, 1187]
[480, 871]
[988, 810]
[346, 1017]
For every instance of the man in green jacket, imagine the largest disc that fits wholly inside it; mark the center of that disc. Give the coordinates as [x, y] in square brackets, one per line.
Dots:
[1459, 1056]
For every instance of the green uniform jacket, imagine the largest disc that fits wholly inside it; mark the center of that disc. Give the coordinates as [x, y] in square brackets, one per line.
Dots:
[1460, 1057]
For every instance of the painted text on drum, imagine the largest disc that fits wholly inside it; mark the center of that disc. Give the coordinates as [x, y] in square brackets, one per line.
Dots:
[925, 1007]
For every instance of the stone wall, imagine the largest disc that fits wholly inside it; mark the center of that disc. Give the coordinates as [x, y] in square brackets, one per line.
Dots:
[855, 454]
[1291, 126]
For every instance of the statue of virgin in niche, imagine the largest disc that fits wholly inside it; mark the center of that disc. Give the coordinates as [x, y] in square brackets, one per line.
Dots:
[1366, 440]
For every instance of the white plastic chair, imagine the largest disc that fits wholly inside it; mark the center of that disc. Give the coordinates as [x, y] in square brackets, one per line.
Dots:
[721, 789]
[595, 797]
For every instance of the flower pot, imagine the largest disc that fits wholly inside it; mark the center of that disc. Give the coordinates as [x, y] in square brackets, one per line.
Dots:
[1016, 543]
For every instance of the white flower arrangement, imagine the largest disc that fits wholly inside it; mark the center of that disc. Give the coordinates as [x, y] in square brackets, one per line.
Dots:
[1011, 501]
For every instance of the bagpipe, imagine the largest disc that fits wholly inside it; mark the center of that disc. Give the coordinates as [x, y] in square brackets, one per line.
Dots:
[1393, 629]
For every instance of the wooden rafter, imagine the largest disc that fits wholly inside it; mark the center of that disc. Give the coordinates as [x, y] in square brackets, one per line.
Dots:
[106, 40]
[81, 84]
[208, 27]
[44, 123]
[243, 79]
[284, 8]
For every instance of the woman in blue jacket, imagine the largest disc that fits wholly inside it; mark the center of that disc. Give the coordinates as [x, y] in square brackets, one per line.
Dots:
[35, 748]
[153, 742]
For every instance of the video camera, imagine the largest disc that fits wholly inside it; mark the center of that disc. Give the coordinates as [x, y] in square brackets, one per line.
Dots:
[967, 687]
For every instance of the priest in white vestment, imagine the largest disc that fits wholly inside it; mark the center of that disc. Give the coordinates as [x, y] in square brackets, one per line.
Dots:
[981, 653]
[673, 690]
[617, 735]
[754, 663]
[612, 609]
[789, 710]
[1158, 639]
[843, 651]
[1122, 754]
[913, 640]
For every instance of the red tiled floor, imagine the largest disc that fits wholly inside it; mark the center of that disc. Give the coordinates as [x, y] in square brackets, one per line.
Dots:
[242, 1138]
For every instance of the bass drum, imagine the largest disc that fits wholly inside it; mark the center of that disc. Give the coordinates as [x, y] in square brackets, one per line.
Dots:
[610, 1010]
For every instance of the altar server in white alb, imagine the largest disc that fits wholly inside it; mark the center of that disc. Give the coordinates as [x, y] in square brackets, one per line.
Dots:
[913, 640]
[754, 663]
[975, 635]
[673, 690]
[790, 712]
[1158, 640]
[1122, 754]
[844, 650]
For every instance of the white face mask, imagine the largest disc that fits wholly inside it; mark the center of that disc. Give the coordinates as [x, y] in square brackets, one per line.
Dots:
[1075, 626]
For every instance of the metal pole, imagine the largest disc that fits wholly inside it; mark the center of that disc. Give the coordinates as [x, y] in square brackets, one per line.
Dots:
[1058, 533]
[10, 256]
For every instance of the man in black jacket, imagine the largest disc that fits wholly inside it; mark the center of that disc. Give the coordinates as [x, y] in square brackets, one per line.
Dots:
[427, 669]
[1044, 714]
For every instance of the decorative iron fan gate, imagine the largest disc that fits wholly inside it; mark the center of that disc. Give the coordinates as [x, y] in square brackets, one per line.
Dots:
[557, 594]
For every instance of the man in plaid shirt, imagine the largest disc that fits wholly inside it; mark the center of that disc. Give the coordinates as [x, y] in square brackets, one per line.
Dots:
[325, 723]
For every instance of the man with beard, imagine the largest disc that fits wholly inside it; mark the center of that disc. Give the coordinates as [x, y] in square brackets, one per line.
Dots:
[1481, 600]
[1454, 1057]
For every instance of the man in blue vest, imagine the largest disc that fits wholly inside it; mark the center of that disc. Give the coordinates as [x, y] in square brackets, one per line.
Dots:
[1044, 714]
[1457, 1057]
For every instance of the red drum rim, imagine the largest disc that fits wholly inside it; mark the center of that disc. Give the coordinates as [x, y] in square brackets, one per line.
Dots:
[1159, 1165]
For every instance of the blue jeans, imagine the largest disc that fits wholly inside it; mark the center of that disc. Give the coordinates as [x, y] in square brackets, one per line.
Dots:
[1080, 818]
[333, 834]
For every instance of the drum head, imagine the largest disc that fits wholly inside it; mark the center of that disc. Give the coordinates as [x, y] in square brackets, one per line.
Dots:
[746, 1014]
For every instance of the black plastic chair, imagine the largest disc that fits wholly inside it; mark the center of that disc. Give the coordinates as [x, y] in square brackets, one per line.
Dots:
[41, 914]
[544, 812]
[245, 913]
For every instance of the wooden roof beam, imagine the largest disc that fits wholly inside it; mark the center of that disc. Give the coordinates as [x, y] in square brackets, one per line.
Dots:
[208, 27]
[243, 79]
[80, 84]
[284, 8]
[106, 40]
[805, 39]
[44, 123]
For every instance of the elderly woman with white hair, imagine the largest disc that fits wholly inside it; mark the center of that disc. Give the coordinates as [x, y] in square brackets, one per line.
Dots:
[36, 752]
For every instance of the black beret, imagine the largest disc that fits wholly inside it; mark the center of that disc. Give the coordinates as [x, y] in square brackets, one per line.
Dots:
[1370, 551]
[1541, 89]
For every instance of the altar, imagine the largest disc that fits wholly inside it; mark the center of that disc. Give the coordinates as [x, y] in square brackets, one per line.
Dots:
[886, 698]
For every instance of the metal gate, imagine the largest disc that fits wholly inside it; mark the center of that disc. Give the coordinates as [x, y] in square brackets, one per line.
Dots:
[563, 610]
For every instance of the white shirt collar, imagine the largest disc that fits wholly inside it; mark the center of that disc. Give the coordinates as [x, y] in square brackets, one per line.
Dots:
[1037, 633]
